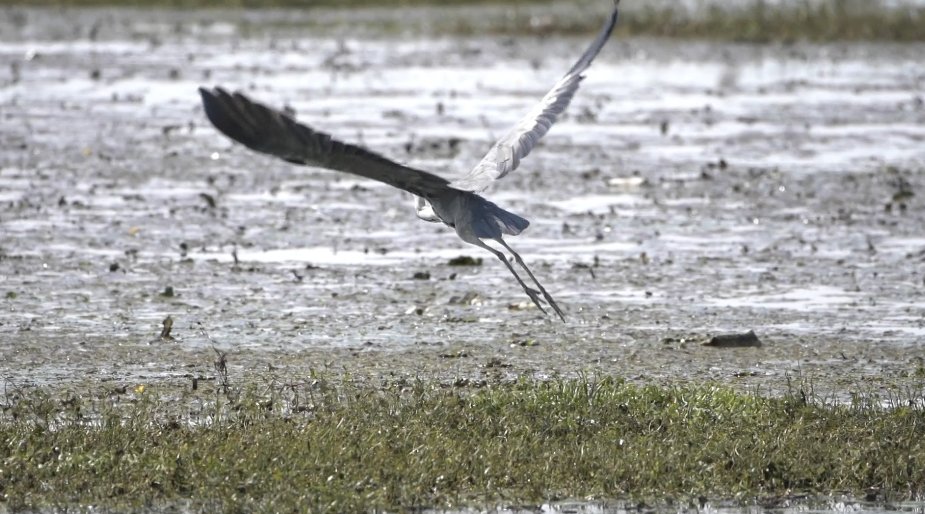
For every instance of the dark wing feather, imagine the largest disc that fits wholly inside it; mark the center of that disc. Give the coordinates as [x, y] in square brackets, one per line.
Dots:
[272, 132]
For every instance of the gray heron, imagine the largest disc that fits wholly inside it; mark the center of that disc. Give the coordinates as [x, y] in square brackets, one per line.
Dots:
[456, 204]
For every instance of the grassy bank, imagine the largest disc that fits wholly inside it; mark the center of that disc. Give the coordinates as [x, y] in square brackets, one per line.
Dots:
[341, 447]
[830, 20]
[819, 20]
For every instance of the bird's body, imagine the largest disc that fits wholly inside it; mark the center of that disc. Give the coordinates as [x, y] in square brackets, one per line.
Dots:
[457, 204]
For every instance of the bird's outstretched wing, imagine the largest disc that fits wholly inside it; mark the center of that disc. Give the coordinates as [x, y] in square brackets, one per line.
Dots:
[506, 154]
[272, 132]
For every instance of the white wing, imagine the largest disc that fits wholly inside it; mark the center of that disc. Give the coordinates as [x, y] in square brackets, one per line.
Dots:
[506, 154]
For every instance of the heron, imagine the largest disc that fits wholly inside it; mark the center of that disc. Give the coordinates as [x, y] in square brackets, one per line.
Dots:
[457, 204]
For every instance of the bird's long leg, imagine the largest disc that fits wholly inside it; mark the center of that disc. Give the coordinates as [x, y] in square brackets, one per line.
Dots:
[542, 289]
[532, 293]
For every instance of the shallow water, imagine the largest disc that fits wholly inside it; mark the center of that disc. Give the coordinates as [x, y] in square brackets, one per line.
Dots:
[788, 506]
[693, 189]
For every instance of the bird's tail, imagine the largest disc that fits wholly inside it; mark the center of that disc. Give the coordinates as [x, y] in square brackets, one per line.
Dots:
[490, 219]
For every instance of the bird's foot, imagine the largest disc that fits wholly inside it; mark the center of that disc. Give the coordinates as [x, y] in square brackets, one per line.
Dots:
[535, 296]
[555, 307]
[538, 301]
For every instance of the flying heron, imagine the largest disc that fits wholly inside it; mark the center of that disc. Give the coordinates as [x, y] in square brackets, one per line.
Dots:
[457, 204]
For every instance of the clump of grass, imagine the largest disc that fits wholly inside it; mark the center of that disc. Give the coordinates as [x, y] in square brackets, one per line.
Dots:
[343, 447]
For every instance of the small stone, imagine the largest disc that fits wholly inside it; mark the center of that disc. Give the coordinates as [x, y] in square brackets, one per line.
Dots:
[744, 340]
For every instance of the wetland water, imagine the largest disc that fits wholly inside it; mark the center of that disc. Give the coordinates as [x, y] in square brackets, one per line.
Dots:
[693, 189]
[787, 508]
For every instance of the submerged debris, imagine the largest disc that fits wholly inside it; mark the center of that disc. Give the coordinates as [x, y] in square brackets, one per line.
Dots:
[208, 199]
[521, 306]
[416, 309]
[496, 362]
[465, 260]
[458, 354]
[583, 266]
[470, 298]
[167, 326]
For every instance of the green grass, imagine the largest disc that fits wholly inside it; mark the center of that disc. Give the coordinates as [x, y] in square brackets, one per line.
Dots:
[342, 447]
[818, 20]
[828, 20]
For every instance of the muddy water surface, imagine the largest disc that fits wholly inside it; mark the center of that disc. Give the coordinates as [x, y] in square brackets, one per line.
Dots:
[693, 189]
